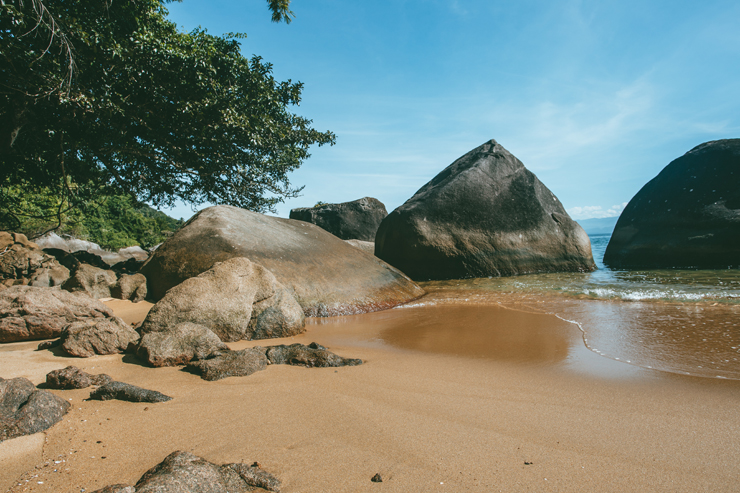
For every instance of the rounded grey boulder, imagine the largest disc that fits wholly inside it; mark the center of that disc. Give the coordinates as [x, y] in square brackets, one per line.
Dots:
[686, 217]
[484, 215]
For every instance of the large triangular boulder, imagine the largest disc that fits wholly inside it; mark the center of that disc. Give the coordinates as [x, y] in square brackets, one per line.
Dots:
[484, 215]
[686, 217]
[326, 275]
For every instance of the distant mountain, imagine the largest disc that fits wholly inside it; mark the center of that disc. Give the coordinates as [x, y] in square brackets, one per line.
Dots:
[598, 225]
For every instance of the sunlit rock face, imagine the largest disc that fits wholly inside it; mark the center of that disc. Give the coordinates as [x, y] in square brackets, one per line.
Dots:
[484, 215]
[686, 217]
[326, 275]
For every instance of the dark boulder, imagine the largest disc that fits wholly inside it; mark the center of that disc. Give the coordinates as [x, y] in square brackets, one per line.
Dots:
[25, 410]
[231, 364]
[686, 217]
[183, 472]
[311, 356]
[31, 313]
[326, 275]
[356, 220]
[72, 377]
[180, 344]
[86, 338]
[247, 361]
[236, 299]
[484, 215]
[127, 392]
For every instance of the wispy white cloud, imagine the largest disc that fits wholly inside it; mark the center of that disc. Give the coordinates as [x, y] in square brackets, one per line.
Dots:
[596, 211]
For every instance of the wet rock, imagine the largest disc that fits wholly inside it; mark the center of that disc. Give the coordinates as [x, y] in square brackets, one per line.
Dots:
[312, 356]
[72, 377]
[236, 299]
[87, 338]
[326, 275]
[686, 217]
[25, 410]
[32, 313]
[231, 364]
[92, 280]
[484, 215]
[127, 392]
[356, 220]
[130, 287]
[183, 472]
[179, 345]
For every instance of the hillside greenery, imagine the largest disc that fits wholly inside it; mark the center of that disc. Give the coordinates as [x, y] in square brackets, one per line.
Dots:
[112, 221]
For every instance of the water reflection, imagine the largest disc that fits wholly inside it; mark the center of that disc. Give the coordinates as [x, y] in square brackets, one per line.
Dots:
[489, 332]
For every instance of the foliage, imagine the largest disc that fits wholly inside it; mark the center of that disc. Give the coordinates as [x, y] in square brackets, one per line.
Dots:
[110, 96]
[113, 222]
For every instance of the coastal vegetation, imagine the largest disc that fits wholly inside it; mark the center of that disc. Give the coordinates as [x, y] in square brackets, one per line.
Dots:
[111, 221]
[105, 100]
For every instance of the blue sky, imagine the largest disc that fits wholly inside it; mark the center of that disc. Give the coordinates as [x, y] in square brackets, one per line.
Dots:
[595, 97]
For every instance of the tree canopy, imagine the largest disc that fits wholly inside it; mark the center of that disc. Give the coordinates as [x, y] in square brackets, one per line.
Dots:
[102, 97]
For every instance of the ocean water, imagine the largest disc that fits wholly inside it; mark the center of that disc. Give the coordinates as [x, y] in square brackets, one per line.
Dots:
[679, 321]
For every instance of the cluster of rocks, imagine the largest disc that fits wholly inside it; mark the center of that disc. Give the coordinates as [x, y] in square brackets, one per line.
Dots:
[183, 472]
[54, 262]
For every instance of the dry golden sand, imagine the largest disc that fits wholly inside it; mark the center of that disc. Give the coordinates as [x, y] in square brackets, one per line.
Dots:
[430, 410]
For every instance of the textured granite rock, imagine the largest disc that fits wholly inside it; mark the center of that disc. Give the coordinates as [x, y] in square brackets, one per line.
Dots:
[25, 410]
[127, 392]
[183, 472]
[236, 299]
[72, 377]
[312, 356]
[180, 344]
[231, 364]
[89, 337]
[92, 280]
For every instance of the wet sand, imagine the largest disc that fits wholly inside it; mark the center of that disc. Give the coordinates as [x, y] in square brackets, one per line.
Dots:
[450, 398]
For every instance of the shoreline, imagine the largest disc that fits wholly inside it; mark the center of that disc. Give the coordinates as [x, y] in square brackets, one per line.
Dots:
[424, 420]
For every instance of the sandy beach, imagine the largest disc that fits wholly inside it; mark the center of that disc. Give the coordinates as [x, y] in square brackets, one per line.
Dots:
[450, 398]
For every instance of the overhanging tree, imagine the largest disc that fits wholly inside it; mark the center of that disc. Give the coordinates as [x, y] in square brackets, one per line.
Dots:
[109, 97]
